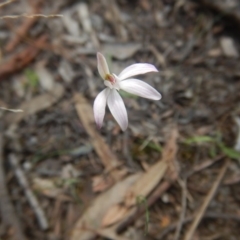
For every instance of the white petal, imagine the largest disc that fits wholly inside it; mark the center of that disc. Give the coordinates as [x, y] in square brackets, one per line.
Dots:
[108, 84]
[136, 69]
[102, 65]
[140, 88]
[117, 108]
[99, 106]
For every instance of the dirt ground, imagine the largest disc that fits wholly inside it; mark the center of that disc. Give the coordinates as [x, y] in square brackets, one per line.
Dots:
[174, 174]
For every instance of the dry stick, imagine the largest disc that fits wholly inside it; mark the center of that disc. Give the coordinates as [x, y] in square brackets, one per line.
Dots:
[184, 206]
[190, 232]
[204, 165]
[31, 16]
[11, 110]
[22, 59]
[24, 28]
[42, 220]
[213, 215]
[163, 187]
[5, 3]
[6, 208]
[159, 56]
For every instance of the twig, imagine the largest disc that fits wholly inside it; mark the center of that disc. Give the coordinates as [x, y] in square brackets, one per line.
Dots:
[22, 59]
[138, 212]
[232, 180]
[24, 28]
[31, 16]
[190, 218]
[209, 197]
[7, 211]
[183, 212]
[42, 220]
[204, 164]
[11, 110]
[5, 3]
[159, 56]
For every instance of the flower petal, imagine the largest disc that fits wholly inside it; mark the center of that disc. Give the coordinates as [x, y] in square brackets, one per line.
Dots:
[99, 107]
[140, 88]
[136, 69]
[117, 108]
[102, 65]
[108, 84]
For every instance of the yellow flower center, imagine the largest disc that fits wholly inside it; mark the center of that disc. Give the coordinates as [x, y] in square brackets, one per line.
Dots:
[110, 78]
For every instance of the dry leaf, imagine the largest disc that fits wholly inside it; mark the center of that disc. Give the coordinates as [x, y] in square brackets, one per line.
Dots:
[160, 57]
[215, 52]
[121, 51]
[36, 104]
[145, 185]
[84, 17]
[109, 160]
[48, 188]
[46, 79]
[92, 218]
[66, 71]
[165, 221]
[228, 47]
[114, 214]
[148, 181]
[101, 183]
[109, 233]
[71, 25]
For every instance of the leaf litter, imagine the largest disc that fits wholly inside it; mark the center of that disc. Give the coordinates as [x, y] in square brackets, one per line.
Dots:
[97, 188]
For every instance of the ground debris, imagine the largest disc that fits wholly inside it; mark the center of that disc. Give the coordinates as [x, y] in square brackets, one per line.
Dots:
[22, 59]
[37, 104]
[105, 183]
[42, 220]
[228, 47]
[7, 211]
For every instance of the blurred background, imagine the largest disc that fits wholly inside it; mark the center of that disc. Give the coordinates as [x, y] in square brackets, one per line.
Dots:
[174, 174]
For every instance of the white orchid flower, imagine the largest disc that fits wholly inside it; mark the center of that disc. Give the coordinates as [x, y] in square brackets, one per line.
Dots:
[110, 96]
